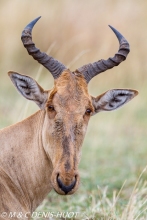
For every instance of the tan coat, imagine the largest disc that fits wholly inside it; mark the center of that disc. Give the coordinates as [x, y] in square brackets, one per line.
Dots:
[46, 146]
[43, 151]
[25, 169]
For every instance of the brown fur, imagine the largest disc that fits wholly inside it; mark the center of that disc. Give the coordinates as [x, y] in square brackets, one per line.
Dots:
[43, 151]
[33, 151]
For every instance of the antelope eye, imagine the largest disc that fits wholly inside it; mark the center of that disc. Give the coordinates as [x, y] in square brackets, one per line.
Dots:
[88, 111]
[51, 108]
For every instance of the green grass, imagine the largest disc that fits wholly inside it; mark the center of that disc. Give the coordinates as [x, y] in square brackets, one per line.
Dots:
[114, 152]
[111, 159]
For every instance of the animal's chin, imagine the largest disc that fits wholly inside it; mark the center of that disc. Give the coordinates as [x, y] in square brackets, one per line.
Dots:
[60, 192]
[65, 188]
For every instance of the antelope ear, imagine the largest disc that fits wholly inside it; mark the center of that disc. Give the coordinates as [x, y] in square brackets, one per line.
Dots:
[29, 88]
[113, 99]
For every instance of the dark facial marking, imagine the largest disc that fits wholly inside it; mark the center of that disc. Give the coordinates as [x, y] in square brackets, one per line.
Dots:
[58, 128]
[67, 166]
[65, 145]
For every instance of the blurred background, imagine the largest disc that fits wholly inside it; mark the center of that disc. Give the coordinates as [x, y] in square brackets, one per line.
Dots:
[76, 32]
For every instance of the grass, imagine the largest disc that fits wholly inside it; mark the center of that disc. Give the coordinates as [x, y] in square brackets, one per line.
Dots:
[110, 178]
[112, 168]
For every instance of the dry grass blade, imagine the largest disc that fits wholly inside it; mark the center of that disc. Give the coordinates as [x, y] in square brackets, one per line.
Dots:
[129, 211]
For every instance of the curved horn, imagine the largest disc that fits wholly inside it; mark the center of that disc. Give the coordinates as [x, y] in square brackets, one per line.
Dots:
[92, 69]
[53, 65]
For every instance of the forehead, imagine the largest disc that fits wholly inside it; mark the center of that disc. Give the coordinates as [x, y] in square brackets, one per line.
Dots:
[70, 90]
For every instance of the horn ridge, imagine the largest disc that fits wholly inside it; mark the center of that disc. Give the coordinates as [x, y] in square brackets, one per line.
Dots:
[54, 66]
[92, 69]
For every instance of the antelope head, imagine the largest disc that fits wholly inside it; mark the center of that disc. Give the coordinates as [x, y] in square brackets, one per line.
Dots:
[68, 107]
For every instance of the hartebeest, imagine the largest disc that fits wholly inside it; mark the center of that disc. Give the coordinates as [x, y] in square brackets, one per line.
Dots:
[43, 151]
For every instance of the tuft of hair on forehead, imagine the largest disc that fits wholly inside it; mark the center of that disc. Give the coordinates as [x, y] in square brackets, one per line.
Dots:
[74, 84]
[71, 78]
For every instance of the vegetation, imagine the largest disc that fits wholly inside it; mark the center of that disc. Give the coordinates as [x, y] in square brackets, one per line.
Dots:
[113, 165]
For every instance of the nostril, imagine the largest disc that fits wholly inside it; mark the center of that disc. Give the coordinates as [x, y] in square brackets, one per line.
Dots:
[65, 188]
